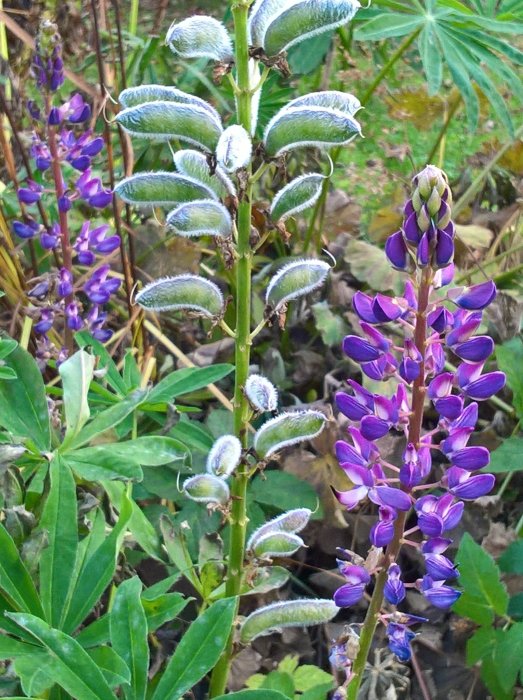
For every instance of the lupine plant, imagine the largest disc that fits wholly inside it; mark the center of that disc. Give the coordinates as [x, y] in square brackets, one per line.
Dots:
[210, 193]
[63, 148]
[419, 503]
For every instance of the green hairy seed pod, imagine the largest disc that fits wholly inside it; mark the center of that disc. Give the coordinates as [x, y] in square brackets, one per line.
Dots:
[224, 456]
[287, 429]
[262, 394]
[135, 96]
[300, 194]
[182, 293]
[206, 488]
[306, 19]
[161, 189]
[277, 544]
[234, 149]
[317, 127]
[167, 121]
[289, 613]
[292, 521]
[330, 99]
[200, 37]
[194, 164]
[295, 280]
[202, 217]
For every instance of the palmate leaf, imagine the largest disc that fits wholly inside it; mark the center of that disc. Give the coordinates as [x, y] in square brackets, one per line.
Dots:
[466, 40]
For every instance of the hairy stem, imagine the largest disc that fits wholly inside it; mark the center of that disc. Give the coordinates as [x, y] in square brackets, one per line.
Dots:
[238, 519]
[393, 549]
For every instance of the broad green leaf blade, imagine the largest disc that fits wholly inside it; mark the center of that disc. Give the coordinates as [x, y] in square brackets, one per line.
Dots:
[253, 695]
[11, 648]
[161, 189]
[176, 547]
[483, 592]
[508, 457]
[301, 127]
[511, 561]
[86, 341]
[300, 194]
[77, 373]
[100, 463]
[105, 420]
[23, 403]
[112, 666]
[97, 572]
[203, 217]
[170, 121]
[510, 358]
[288, 429]
[36, 673]
[187, 380]
[128, 626]
[431, 59]
[294, 280]
[198, 651]
[57, 561]
[387, 25]
[76, 672]
[305, 19]
[151, 450]
[183, 293]
[15, 581]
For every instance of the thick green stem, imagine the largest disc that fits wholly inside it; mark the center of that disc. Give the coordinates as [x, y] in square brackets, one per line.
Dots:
[238, 519]
[392, 551]
[319, 209]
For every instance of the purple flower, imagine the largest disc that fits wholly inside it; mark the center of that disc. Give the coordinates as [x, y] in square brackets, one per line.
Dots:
[475, 350]
[397, 252]
[437, 593]
[72, 316]
[26, 230]
[351, 592]
[416, 466]
[440, 568]
[474, 298]
[382, 532]
[400, 638]
[99, 287]
[31, 194]
[437, 515]
[394, 590]
[379, 309]
[462, 484]
[65, 285]
[45, 323]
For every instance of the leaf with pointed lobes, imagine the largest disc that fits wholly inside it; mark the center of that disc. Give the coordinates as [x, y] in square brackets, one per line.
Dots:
[224, 456]
[288, 613]
[288, 429]
[295, 280]
[135, 96]
[200, 37]
[182, 293]
[292, 521]
[234, 149]
[309, 126]
[277, 544]
[161, 189]
[195, 165]
[168, 121]
[304, 20]
[206, 488]
[300, 194]
[261, 393]
[201, 217]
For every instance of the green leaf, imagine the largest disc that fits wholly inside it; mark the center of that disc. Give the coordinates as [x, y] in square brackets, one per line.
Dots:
[15, 581]
[198, 651]
[23, 403]
[100, 463]
[112, 665]
[151, 450]
[36, 673]
[105, 361]
[57, 561]
[77, 374]
[288, 429]
[331, 326]
[484, 594]
[184, 381]
[280, 681]
[7, 346]
[7, 373]
[510, 360]
[283, 491]
[178, 553]
[77, 674]
[515, 607]
[253, 695]
[161, 189]
[105, 420]
[169, 121]
[386, 25]
[183, 293]
[96, 573]
[508, 457]
[431, 59]
[128, 626]
[163, 608]
[11, 648]
[511, 561]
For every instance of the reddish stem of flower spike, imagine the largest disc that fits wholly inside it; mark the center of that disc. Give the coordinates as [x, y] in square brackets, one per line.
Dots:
[64, 224]
[392, 551]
